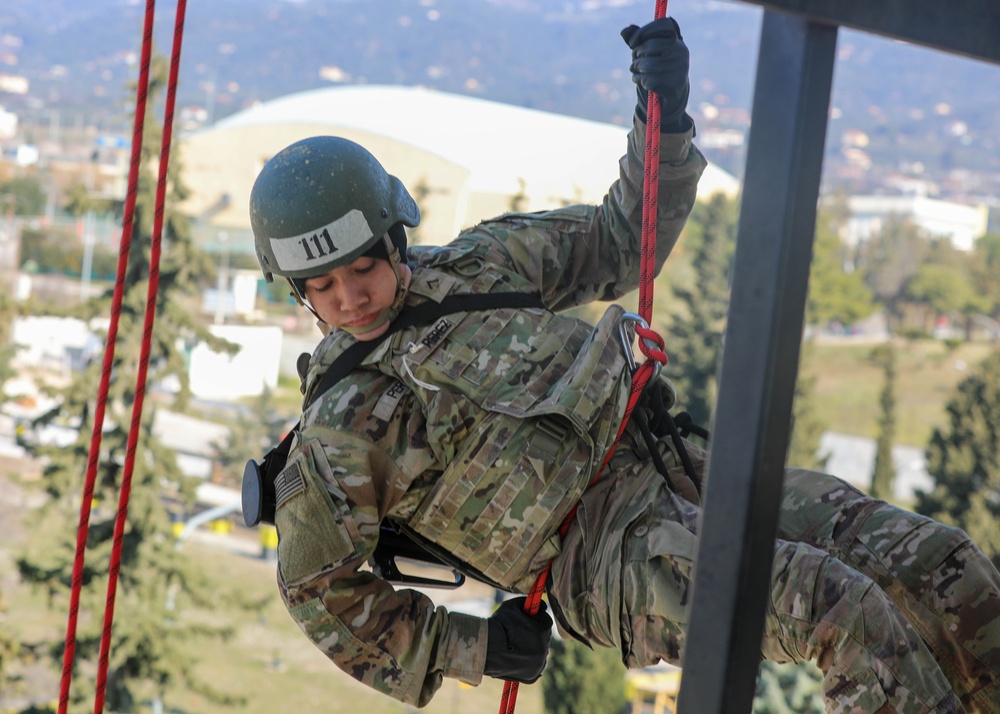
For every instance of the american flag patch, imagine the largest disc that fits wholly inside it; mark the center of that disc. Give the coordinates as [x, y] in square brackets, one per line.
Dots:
[288, 483]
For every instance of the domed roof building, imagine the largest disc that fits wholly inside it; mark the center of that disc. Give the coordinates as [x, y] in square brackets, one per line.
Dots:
[463, 159]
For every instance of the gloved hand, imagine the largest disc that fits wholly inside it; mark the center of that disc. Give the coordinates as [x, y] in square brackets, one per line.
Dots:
[660, 63]
[518, 643]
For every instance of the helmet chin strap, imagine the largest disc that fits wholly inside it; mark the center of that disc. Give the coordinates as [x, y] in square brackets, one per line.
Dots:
[398, 264]
[300, 299]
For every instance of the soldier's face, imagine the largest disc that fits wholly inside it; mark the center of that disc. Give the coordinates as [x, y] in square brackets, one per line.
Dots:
[356, 295]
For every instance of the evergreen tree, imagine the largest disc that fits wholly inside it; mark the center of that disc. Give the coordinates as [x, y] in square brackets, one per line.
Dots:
[520, 199]
[151, 639]
[9, 651]
[884, 475]
[23, 195]
[807, 425]
[253, 432]
[835, 294]
[695, 337]
[985, 268]
[422, 192]
[8, 311]
[889, 260]
[963, 460]
[580, 680]
[943, 289]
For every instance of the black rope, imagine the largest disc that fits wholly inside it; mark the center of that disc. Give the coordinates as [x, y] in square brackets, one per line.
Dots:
[639, 417]
[686, 426]
[675, 436]
[663, 421]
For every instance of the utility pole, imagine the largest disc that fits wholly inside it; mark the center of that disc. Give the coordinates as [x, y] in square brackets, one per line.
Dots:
[88, 255]
[222, 286]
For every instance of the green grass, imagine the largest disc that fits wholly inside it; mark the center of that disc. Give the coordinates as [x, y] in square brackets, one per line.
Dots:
[269, 661]
[849, 384]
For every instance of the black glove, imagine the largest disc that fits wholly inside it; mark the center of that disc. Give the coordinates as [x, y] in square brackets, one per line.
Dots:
[660, 63]
[518, 643]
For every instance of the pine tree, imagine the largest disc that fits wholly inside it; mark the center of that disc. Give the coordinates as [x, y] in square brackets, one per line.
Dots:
[422, 192]
[836, 294]
[807, 425]
[984, 263]
[963, 459]
[9, 651]
[889, 260]
[580, 680]
[520, 199]
[156, 582]
[884, 475]
[8, 311]
[254, 432]
[695, 336]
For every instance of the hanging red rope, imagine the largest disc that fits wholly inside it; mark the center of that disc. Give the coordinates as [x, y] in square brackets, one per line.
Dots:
[647, 337]
[140, 380]
[142, 88]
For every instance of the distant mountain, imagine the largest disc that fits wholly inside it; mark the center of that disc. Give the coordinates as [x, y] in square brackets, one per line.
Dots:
[920, 112]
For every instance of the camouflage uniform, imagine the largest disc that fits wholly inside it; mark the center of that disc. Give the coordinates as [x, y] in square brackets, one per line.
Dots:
[901, 613]
[480, 432]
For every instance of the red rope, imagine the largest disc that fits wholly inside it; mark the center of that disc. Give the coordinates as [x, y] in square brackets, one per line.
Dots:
[140, 380]
[142, 88]
[647, 272]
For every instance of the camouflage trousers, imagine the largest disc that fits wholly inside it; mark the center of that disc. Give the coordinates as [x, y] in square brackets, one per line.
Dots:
[901, 613]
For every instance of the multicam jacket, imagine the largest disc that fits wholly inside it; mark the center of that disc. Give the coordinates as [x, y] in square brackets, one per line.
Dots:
[479, 432]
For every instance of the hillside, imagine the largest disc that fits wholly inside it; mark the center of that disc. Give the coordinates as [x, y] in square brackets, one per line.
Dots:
[923, 113]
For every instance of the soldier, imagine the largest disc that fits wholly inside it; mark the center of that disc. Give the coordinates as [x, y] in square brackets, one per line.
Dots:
[478, 432]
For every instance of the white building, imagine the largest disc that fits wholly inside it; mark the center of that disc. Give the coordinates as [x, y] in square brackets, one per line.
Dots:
[216, 375]
[8, 124]
[14, 83]
[469, 157]
[62, 344]
[234, 295]
[960, 223]
[852, 458]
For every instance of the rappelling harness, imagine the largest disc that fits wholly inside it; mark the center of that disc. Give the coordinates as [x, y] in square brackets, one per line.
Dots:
[259, 497]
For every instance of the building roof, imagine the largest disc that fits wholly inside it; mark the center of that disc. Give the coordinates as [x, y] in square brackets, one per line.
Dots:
[961, 224]
[497, 143]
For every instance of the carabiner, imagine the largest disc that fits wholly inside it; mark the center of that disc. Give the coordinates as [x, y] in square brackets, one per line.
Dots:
[627, 337]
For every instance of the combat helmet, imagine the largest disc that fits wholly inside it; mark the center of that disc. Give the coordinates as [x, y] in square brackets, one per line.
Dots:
[321, 203]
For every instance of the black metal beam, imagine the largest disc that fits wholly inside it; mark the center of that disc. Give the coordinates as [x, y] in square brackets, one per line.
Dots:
[965, 27]
[759, 364]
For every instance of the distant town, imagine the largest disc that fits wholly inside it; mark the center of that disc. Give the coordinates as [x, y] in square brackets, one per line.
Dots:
[904, 121]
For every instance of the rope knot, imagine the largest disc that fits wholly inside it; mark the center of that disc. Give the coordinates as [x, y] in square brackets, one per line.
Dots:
[651, 344]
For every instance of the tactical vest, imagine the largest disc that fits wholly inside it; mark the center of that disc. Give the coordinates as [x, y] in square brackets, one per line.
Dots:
[543, 395]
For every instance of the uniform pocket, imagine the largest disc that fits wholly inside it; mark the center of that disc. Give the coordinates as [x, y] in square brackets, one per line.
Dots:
[316, 533]
[500, 502]
[656, 589]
